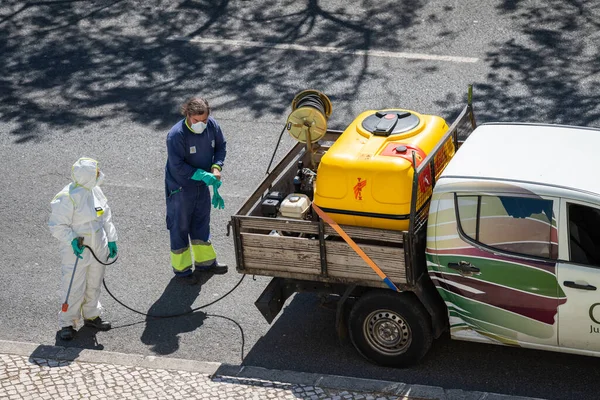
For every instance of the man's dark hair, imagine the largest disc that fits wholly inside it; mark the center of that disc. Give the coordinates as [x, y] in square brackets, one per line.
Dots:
[195, 106]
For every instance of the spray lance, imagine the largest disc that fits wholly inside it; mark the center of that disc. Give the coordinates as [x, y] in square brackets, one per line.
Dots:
[65, 305]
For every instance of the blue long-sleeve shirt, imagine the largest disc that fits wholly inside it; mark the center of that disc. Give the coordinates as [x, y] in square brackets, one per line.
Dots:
[188, 151]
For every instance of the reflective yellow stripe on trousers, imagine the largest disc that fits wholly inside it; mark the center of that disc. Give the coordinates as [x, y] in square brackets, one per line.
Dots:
[204, 253]
[181, 260]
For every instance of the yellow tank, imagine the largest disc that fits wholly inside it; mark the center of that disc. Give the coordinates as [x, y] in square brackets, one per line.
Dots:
[366, 177]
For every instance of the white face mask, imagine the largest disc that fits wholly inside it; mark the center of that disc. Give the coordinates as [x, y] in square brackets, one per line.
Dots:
[198, 127]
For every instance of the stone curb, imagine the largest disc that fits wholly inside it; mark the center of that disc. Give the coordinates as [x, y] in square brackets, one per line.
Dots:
[213, 369]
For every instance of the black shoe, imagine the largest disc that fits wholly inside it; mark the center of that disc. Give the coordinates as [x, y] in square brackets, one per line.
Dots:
[216, 269]
[188, 279]
[67, 333]
[97, 323]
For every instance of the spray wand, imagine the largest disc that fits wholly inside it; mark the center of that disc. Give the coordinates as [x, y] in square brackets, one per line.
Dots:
[65, 305]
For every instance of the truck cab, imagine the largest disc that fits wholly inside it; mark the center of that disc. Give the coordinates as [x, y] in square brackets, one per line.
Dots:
[513, 238]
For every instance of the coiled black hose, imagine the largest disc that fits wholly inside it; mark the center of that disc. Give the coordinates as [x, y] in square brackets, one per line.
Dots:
[312, 100]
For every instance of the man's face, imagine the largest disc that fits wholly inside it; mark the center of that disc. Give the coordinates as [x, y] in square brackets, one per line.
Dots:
[194, 119]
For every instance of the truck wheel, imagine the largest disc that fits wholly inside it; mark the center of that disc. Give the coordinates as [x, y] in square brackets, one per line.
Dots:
[389, 328]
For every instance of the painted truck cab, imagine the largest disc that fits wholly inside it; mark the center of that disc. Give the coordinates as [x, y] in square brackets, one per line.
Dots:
[513, 238]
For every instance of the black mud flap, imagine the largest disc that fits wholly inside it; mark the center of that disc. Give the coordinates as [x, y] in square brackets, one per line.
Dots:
[341, 321]
[272, 299]
[433, 302]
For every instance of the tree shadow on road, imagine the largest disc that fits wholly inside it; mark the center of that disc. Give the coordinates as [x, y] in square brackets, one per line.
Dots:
[549, 72]
[67, 64]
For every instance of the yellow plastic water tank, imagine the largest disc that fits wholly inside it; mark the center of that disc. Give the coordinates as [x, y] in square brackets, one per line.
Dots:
[365, 178]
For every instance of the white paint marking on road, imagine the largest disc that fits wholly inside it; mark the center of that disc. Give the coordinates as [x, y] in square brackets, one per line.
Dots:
[327, 49]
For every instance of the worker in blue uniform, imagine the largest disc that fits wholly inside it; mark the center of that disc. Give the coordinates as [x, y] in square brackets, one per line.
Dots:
[196, 150]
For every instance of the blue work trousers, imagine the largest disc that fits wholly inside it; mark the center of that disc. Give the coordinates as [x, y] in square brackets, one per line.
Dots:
[188, 217]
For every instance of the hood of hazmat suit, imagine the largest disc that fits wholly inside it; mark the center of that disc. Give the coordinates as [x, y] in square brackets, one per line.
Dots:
[81, 209]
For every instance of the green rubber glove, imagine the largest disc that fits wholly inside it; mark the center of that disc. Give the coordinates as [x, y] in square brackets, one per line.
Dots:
[77, 250]
[206, 177]
[112, 249]
[217, 200]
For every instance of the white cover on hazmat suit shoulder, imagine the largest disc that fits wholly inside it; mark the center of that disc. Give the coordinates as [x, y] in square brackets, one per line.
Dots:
[81, 209]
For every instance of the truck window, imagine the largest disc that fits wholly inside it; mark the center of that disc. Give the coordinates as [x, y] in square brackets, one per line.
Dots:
[584, 234]
[519, 225]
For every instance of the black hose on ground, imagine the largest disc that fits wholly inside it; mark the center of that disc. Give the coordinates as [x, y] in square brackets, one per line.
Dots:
[160, 316]
[173, 315]
[180, 314]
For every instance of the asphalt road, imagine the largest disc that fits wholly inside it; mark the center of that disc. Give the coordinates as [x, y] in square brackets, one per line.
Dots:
[104, 79]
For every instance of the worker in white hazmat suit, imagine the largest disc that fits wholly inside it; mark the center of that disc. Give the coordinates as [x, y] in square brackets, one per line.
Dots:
[81, 210]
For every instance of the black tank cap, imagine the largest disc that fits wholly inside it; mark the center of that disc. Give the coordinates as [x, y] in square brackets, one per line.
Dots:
[390, 122]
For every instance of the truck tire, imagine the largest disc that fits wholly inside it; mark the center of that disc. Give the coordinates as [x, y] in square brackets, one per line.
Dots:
[390, 329]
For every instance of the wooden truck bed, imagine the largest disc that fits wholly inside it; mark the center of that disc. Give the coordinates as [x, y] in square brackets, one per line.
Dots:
[313, 251]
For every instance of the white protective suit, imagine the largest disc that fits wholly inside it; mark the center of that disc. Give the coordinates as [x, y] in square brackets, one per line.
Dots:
[81, 209]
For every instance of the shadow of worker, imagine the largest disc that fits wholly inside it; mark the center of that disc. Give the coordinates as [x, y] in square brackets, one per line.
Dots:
[65, 351]
[85, 338]
[163, 333]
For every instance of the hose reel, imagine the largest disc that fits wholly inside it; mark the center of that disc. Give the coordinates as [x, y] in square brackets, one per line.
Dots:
[307, 123]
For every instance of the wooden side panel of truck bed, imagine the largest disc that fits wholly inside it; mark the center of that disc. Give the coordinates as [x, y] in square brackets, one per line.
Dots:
[309, 250]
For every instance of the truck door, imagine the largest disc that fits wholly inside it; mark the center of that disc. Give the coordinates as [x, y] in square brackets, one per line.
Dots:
[579, 276]
[497, 268]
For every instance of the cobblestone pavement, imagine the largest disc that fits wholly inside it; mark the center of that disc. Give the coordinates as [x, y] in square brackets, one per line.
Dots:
[34, 378]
